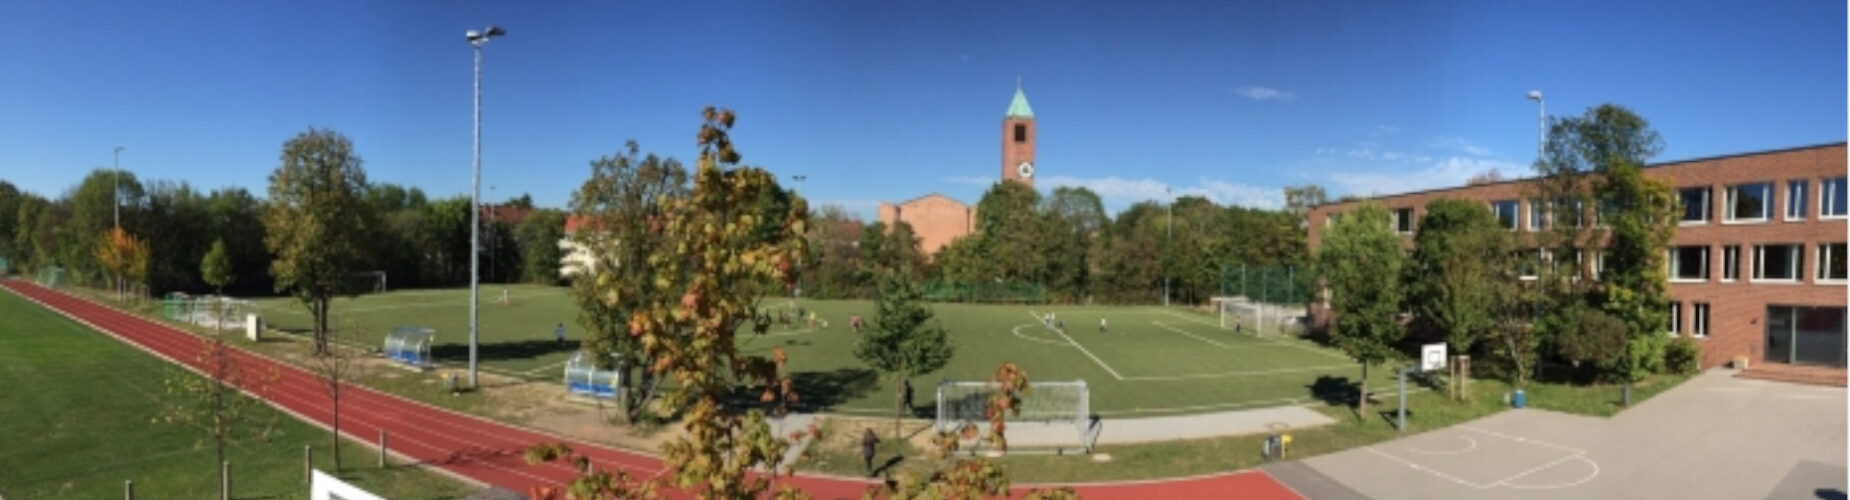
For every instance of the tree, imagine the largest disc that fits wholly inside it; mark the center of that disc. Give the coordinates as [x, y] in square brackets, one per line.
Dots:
[1010, 228]
[539, 238]
[1361, 260]
[713, 240]
[901, 343]
[216, 268]
[1491, 176]
[317, 225]
[211, 403]
[122, 255]
[625, 204]
[1598, 157]
[1300, 199]
[1076, 223]
[10, 199]
[1460, 275]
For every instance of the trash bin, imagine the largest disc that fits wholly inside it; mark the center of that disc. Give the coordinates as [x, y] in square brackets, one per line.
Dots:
[1521, 400]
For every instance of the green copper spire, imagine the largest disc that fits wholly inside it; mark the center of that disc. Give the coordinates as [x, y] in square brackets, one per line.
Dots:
[1019, 107]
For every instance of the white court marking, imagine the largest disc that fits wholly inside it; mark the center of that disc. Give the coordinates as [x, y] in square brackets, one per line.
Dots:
[1017, 332]
[1470, 444]
[1101, 363]
[1574, 454]
[1190, 335]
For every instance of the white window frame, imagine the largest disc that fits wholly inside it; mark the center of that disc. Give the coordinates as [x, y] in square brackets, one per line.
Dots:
[1536, 213]
[1699, 320]
[1825, 253]
[1728, 216]
[1797, 196]
[1535, 271]
[1676, 318]
[1826, 197]
[1707, 206]
[1798, 263]
[1599, 264]
[1410, 221]
[1676, 256]
[1515, 215]
[1731, 263]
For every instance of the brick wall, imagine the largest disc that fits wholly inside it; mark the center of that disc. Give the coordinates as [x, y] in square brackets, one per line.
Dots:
[935, 218]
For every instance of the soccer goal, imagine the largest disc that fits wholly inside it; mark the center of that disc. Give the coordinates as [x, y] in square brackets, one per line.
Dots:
[1055, 416]
[368, 281]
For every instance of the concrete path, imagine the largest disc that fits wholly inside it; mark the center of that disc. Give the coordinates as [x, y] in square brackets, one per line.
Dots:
[1713, 437]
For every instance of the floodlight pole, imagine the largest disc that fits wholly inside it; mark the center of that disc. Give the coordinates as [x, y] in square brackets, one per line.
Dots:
[1169, 225]
[118, 189]
[1541, 123]
[799, 289]
[475, 207]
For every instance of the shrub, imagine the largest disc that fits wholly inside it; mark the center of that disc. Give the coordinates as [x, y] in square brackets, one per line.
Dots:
[1645, 356]
[1682, 357]
[1589, 336]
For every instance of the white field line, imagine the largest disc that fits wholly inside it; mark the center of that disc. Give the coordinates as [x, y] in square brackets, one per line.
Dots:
[1523, 440]
[1427, 470]
[1101, 363]
[1582, 458]
[1017, 332]
[1279, 371]
[1283, 342]
[1190, 335]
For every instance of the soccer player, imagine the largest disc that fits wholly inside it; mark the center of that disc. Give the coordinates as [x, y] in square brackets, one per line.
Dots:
[1102, 326]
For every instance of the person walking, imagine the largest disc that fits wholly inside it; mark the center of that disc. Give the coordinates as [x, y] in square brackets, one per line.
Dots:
[559, 335]
[1102, 327]
[868, 441]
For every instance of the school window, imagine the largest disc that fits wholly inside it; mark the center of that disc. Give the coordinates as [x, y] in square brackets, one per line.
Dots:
[1536, 211]
[1603, 210]
[1689, 263]
[1832, 203]
[1528, 263]
[1831, 262]
[1403, 220]
[1676, 318]
[1777, 262]
[1795, 199]
[1695, 202]
[1599, 264]
[1021, 133]
[1699, 319]
[1731, 262]
[1568, 212]
[1506, 213]
[1748, 202]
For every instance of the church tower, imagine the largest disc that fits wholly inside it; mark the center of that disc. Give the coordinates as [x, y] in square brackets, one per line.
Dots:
[1018, 140]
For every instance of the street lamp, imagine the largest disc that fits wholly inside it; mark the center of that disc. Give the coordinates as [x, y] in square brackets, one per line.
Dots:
[799, 290]
[476, 39]
[118, 191]
[1541, 122]
[1169, 225]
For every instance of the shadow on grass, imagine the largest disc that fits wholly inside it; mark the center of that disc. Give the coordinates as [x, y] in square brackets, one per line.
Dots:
[1334, 390]
[816, 391]
[525, 349]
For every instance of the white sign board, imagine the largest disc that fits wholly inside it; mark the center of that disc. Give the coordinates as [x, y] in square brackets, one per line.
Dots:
[1432, 357]
[322, 486]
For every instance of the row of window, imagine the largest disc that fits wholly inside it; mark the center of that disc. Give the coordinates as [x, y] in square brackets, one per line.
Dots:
[1753, 202]
[1748, 202]
[1781, 262]
[1698, 322]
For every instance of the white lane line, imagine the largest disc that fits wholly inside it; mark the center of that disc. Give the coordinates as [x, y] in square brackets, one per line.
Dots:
[1101, 363]
[1588, 461]
[1470, 444]
[1239, 374]
[1428, 470]
[1520, 439]
[1190, 335]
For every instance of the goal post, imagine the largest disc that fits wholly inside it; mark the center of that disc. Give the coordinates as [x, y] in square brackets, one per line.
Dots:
[1062, 410]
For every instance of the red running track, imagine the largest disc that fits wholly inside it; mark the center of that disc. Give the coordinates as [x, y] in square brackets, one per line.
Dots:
[491, 452]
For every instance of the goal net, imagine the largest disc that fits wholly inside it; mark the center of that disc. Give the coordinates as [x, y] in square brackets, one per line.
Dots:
[1245, 316]
[1054, 415]
[368, 282]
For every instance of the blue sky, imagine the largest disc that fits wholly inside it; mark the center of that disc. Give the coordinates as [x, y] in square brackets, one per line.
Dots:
[891, 100]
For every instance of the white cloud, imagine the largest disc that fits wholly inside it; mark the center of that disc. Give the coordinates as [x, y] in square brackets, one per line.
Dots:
[1258, 93]
[1118, 193]
[1460, 144]
[973, 180]
[1447, 172]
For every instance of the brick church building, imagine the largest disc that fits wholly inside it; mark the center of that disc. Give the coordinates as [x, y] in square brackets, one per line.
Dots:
[938, 219]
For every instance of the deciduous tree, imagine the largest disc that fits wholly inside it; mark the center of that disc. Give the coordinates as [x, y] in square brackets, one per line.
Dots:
[1461, 275]
[317, 225]
[1361, 260]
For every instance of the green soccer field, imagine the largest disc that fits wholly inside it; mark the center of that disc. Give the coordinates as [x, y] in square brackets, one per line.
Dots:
[1152, 361]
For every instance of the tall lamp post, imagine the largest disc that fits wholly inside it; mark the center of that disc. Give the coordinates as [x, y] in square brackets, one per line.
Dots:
[1169, 225]
[799, 290]
[476, 39]
[1541, 122]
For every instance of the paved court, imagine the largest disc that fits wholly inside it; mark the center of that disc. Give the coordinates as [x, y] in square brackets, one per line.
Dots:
[1713, 437]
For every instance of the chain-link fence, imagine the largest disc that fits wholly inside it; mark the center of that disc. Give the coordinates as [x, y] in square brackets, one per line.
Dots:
[1269, 284]
[941, 290]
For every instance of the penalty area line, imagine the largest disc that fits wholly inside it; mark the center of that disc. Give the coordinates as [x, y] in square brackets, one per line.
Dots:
[1088, 352]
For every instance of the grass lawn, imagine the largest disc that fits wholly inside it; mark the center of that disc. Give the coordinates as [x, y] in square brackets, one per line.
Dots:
[1153, 361]
[77, 408]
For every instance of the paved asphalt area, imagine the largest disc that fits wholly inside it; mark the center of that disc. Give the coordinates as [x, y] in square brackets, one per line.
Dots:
[1714, 437]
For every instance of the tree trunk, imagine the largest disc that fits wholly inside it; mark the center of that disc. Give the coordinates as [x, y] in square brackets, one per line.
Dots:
[336, 394]
[899, 403]
[1361, 400]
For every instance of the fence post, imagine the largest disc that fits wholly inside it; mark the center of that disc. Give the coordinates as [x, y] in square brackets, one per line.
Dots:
[128, 489]
[224, 480]
[308, 463]
[382, 448]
